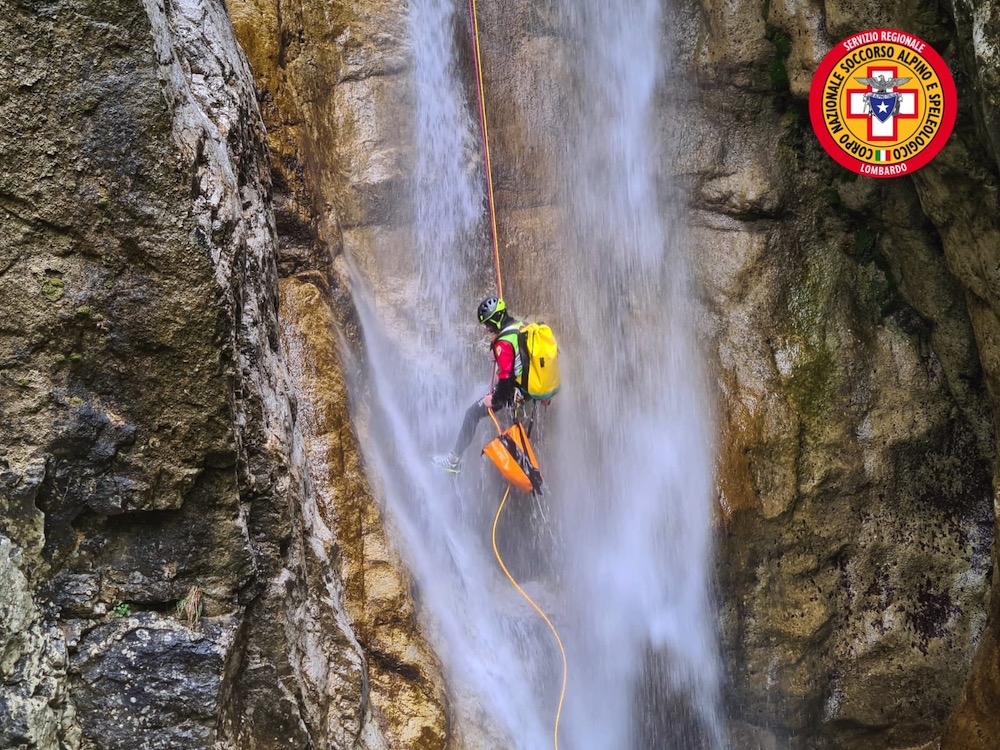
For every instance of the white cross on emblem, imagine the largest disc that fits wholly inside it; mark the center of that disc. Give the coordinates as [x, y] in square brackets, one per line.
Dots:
[858, 104]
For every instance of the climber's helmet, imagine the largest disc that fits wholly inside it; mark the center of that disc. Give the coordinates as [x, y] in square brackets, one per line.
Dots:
[491, 311]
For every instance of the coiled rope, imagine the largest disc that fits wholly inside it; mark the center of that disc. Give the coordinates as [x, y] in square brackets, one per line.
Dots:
[496, 264]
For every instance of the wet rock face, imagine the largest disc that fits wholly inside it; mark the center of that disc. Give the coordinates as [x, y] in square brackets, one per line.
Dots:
[152, 678]
[147, 445]
[114, 396]
[857, 454]
[405, 686]
[853, 364]
[145, 434]
[850, 319]
[35, 710]
[334, 83]
[85, 248]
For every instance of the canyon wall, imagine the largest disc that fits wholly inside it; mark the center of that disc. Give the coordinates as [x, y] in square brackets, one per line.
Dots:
[175, 574]
[192, 550]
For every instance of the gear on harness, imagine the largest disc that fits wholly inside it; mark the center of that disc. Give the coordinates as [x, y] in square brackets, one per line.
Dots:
[511, 451]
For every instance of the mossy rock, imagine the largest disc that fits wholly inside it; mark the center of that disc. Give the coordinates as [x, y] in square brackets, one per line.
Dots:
[53, 288]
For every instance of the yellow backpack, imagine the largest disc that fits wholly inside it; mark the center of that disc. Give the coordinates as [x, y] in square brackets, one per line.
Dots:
[540, 371]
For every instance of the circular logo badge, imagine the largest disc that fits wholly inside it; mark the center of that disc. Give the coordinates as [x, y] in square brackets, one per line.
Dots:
[882, 103]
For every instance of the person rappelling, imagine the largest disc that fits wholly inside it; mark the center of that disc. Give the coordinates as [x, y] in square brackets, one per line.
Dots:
[526, 370]
[526, 365]
[509, 366]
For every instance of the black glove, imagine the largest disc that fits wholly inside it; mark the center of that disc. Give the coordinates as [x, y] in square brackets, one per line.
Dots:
[503, 394]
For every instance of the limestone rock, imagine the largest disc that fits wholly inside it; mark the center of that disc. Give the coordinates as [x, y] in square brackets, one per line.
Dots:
[150, 443]
[858, 449]
[339, 99]
[406, 690]
[153, 678]
[35, 709]
[147, 433]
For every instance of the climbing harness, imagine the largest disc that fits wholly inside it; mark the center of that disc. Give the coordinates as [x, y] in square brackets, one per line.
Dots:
[511, 448]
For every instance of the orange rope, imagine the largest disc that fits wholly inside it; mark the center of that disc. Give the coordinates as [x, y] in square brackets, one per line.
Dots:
[562, 651]
[486, 143]
[496, 264]
[493, 416]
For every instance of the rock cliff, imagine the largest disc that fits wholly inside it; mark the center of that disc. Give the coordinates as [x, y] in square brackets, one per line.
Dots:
[171, 556]
[192, 553]
[858, 476]
[849, 322]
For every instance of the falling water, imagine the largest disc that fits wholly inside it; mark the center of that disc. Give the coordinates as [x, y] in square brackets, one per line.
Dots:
[423, 374]
[629, 446]
[633, 450]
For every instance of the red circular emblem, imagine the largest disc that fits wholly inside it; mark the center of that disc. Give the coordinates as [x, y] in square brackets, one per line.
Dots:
[882, 103]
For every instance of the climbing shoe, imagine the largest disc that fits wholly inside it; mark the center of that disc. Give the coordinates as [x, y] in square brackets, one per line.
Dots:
[448, 461]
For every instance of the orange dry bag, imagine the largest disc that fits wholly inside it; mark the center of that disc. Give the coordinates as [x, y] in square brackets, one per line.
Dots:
[513, 456]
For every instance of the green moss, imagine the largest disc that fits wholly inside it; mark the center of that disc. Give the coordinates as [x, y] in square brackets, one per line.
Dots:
[778, 75]
[75, 358]
[875, 269]
[84, 312]
[807, 304]
[792, 111]
[812, 385]
[778, 72]
[792, 120]
[53, 288]
[845, 175]
[864, 243]
[782, 43]
[122, 609]
[813, 382]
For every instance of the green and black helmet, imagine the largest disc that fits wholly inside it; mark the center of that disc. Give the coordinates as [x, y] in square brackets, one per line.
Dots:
[491, 310]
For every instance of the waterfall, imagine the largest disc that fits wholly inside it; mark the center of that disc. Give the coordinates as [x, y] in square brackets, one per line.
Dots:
[633, 453]
[619, 549]
[423, 374]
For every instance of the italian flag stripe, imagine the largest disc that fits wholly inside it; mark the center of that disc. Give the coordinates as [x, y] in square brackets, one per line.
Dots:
[881, 155]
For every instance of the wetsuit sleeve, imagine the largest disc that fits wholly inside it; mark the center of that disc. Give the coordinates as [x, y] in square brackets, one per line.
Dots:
[503, 391]
[503, 353]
